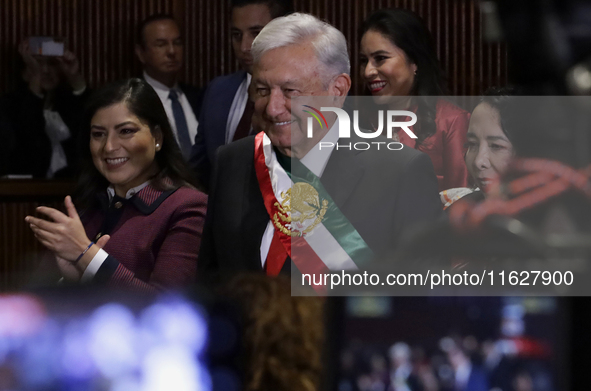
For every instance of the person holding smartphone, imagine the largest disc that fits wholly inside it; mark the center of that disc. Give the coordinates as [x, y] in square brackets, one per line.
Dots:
[44, 112]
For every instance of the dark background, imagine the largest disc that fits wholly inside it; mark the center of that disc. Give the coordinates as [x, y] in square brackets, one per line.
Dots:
[102, 34]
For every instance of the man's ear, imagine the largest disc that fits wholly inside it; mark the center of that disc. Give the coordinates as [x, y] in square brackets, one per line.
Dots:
[341, 85]
[139, 51]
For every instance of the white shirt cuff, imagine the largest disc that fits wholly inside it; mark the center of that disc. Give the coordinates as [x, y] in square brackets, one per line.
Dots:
[93, 266]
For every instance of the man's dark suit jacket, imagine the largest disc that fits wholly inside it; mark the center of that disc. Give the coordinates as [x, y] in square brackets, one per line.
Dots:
[382, 193]
[194, 96]
[211, 132]
[32, 151]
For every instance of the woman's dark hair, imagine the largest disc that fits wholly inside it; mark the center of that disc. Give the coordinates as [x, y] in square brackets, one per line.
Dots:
[501, 99]
[143, 102]
[407, 31]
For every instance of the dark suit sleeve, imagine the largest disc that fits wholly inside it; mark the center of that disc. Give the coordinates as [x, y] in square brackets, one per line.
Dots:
[194, 96]
[208, 264]
[197, 103]
[418, 197]
[32, 149]
[71, 109]
[199, 160]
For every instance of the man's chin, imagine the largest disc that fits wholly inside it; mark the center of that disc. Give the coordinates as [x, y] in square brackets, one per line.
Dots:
[246, 66]
[171, 69]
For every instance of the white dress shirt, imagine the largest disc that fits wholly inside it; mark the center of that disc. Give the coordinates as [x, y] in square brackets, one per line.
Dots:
[315, 161]
[57, 131]
[237, 108]
[163, 92]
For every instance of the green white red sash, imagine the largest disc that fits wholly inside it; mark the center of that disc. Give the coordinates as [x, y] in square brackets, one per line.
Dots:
[314, 233]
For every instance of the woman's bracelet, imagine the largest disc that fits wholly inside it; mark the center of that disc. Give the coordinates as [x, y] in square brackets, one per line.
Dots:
[81, 255]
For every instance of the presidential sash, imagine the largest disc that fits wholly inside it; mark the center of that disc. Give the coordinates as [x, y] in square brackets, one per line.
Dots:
[312, 230]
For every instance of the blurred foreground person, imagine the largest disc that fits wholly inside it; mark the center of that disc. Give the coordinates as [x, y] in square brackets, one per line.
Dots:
[136, 197]
[283, 335]
[402, 374]
[467, 375]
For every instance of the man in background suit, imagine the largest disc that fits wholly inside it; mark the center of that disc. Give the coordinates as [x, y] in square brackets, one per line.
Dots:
[381, 193]
[226, 114]
[160, 50]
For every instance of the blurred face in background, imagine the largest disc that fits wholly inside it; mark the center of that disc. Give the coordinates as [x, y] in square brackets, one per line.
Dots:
[247, 22]
[489, 151]
[123, 147]
[162, 49]
[385, 68]
[49, 70]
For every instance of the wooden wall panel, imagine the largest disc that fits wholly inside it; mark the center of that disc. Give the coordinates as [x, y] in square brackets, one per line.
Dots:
[102, 34]
[19, 250]
[206, 26]
[470, 64]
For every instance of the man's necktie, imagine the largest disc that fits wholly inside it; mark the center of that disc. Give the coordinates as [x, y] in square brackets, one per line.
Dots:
[182, 129]
[244, 125]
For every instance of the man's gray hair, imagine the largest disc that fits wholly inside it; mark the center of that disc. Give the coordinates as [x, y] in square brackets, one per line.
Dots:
[329, 43]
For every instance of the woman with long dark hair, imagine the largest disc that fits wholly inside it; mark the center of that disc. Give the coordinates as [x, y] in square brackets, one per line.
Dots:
[136, 197]
[401, 70]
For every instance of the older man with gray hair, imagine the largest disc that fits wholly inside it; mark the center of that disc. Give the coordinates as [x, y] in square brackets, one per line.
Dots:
[325, 209]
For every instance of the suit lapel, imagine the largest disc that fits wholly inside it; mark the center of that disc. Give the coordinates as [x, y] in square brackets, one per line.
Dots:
[223, 100]
[194, 96]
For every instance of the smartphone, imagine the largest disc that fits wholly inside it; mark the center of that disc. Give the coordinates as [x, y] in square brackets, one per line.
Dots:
[47, 46]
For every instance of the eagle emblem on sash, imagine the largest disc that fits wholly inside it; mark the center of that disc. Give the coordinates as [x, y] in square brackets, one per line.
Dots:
[300, 210]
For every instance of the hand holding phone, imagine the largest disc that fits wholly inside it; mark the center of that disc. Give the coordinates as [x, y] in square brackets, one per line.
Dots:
[32, 71]
[70, 67]
[47, 46]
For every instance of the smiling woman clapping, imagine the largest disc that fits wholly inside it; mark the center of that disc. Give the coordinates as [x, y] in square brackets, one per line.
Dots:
[137, 200]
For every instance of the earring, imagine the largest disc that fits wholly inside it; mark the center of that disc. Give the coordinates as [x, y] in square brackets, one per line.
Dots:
[157, 147]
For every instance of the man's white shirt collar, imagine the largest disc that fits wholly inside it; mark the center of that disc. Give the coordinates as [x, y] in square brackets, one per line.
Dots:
[237, 108]
[162, 90]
